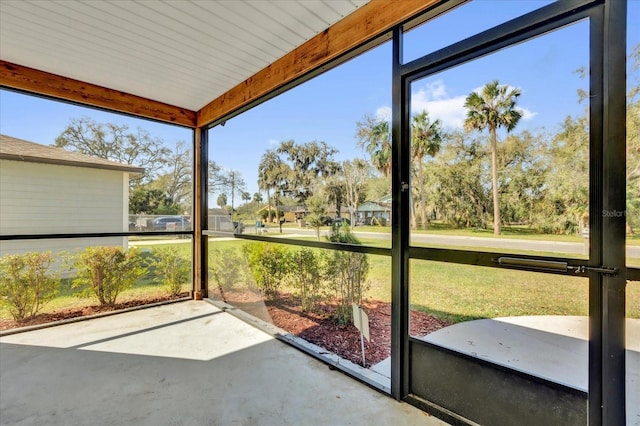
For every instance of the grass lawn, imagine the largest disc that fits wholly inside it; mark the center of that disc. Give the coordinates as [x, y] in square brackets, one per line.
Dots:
[448, 291]
[147, 287]
[463, 292]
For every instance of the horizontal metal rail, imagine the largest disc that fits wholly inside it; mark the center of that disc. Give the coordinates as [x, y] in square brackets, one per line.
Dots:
[466, 257]
[522, 28]
[90, 235]
[490, 259]
[382, 251]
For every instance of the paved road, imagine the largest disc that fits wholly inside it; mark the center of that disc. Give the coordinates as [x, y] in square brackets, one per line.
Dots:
[481, 242]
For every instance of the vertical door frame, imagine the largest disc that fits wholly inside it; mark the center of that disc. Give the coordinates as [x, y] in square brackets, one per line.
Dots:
[607, 199]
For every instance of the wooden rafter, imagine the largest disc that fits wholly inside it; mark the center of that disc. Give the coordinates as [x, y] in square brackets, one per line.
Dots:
[30, 80]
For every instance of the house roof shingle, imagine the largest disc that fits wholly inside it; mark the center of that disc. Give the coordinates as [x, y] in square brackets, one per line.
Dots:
[20, 150]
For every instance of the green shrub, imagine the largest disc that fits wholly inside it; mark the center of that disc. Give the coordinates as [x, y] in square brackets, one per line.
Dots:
[25, 284]
[347, 274]
[307, 276]
[173, 266]
[105, 272]
[269, 265]
[317, 208]
[226, 266]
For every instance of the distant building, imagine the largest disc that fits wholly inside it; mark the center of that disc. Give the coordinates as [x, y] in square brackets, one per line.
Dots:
[47, 190]
[380, 209]
[293, 213]
[288, 213]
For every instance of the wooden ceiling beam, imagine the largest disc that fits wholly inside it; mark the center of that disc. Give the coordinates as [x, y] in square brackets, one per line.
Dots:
[371, 20]
[30, 80]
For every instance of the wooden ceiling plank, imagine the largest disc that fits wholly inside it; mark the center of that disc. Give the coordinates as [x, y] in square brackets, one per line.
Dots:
[30, 80]
[371, 20]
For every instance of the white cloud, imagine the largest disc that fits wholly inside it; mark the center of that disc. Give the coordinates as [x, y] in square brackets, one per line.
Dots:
[434, 98]
[436, 89]
[526, 114]
[273, 142]
[383, 113]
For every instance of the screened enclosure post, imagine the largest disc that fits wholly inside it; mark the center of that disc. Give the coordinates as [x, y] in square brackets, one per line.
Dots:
[399, 230]
[200, 214]
[204, 211]
[614, 209]
[607, 370]
[595, 216]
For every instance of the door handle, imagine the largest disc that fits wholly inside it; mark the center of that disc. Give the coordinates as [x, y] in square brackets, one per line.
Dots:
[552, 266]
[599, 269]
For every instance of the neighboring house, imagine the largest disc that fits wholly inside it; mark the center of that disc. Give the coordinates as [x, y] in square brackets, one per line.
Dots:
[379, 209]
[332, 211]
[290, 213]
[47, 190]
[293, 213]
[298, 213]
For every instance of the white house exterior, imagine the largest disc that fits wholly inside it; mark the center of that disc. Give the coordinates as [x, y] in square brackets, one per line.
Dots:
[45, 190]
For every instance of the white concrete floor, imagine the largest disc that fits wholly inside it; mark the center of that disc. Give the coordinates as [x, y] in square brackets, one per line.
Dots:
[181, 364]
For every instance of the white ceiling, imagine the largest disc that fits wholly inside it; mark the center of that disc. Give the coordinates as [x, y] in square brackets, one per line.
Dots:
[181, 52]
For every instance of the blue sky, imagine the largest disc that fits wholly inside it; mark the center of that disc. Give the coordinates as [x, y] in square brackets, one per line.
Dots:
[328, 107]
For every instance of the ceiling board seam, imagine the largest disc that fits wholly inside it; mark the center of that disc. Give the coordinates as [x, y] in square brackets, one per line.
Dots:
[249, 45]
[122, 60]
[187, 46]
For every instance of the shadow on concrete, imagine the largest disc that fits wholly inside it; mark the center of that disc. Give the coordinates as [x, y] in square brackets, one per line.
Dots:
[203, 367]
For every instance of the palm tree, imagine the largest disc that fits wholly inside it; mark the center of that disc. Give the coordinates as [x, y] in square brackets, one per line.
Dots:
[246, 197]
[426, 139]
[235, 184]
[222, 200]
[493, 107]
[374, 136]
[270, 175]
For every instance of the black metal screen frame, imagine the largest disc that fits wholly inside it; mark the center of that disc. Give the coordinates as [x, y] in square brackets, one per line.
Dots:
[607, 110]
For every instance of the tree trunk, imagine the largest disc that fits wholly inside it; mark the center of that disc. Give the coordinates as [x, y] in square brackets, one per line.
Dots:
[352, 213]
[423, 208]
[494, 181]
[476, 202]
[412, 208]
[232, 200]
[268, 206]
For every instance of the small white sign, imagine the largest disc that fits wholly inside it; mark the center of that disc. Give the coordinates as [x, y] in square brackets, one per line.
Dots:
[361, 320]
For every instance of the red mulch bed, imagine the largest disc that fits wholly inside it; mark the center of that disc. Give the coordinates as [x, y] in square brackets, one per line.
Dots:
[317, 327]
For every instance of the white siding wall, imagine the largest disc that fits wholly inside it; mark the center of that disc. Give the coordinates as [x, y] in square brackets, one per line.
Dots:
[45, 198]
[125, 201]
